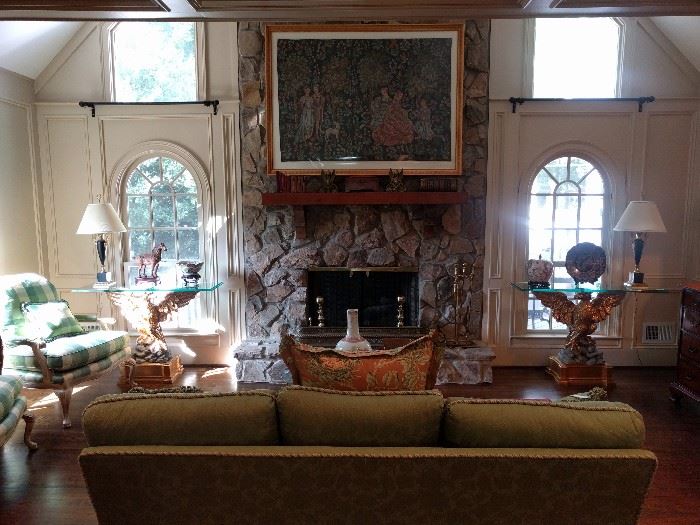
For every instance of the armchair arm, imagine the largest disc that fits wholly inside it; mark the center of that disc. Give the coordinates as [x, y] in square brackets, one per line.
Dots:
[36, 345]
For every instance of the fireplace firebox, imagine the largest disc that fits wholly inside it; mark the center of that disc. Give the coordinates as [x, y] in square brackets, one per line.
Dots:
[374, 291]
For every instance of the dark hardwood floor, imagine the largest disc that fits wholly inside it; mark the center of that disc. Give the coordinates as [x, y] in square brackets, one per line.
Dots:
[46, 487]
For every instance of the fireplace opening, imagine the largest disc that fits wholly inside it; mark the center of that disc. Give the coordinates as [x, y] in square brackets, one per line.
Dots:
[373, 291]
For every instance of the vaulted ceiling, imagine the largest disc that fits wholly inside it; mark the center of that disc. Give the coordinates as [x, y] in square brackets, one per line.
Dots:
[318, 10]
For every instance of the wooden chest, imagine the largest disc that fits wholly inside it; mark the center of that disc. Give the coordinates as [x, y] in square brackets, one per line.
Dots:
[687, 381]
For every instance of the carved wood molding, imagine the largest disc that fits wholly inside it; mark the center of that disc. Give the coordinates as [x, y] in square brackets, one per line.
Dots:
[86, 5]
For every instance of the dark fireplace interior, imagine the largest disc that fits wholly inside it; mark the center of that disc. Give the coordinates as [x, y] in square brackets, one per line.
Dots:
[373, 291]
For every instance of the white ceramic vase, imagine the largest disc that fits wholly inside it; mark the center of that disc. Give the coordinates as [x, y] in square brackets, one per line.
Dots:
[353, 340]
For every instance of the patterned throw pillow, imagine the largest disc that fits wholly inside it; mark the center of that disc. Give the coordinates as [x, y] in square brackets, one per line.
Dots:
[51, 320]
[410, 367]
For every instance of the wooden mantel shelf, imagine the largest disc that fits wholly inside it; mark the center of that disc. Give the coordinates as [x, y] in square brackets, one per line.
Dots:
[364, 197]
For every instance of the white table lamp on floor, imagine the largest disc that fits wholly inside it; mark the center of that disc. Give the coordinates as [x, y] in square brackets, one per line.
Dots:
[98, 219]
[641, 218]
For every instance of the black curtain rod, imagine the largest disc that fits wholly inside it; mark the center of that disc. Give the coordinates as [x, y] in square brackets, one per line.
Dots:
[207, 103]
[639, 100]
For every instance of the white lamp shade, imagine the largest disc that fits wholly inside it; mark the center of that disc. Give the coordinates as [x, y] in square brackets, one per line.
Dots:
[641, 216]
[100, 218]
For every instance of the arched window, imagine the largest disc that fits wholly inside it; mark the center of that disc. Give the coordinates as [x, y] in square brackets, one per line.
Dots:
[154, 62]
[576, 58]
[567, 206]
[162, 205]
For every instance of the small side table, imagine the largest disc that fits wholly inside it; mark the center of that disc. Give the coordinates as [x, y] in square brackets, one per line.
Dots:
[146, 309]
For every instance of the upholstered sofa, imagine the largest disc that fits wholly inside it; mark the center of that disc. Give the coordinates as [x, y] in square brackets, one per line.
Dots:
[311, 456]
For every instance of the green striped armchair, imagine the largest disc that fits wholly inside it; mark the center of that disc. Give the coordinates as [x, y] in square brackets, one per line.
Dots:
[13, 407]
[45, 346]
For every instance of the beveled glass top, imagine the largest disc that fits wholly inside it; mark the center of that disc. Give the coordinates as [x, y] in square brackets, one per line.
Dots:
[525, 287]
[147, 287]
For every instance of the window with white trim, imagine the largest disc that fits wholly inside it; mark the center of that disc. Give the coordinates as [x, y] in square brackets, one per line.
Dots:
[154, 62]
[567, 204]
[576, 58]
[162, 204]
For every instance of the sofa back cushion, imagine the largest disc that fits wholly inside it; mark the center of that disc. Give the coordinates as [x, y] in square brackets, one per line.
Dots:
[244, 418]
[410, 367]
[314, 416]
[494, 423]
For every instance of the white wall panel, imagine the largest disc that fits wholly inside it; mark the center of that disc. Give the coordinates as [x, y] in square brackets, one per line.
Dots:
[68, 188]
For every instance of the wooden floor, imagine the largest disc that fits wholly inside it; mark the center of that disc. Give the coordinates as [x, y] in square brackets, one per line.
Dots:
[46, 487]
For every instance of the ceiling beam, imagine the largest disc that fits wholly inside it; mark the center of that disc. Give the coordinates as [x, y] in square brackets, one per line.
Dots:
[336, 10]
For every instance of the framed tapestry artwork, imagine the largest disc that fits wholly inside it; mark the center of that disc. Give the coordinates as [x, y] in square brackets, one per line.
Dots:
[363, 99]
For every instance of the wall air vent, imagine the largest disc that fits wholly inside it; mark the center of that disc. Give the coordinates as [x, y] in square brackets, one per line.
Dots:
[654, 333]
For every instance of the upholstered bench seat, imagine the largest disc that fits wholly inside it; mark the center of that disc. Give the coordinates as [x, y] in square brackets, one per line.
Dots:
[69, 353]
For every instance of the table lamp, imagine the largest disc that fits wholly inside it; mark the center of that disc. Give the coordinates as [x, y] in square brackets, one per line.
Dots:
[98, 219]
[641, 218]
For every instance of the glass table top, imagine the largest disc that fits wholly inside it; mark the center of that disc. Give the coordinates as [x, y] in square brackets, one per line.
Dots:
[151, 288]
[525, 287]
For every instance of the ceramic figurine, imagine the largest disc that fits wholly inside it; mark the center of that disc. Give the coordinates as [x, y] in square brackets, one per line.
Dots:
[353, 340]
[150, 259]
[539, 272]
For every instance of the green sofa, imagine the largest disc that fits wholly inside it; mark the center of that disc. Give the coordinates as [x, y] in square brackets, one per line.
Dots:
[312, 456]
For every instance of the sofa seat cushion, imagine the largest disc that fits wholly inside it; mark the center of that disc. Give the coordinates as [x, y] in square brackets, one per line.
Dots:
[9, 421]
[21, 288]
[10, 387]
[410, 367]
[33, 378]
[313, 416]
[541, 424]
[69, 353]
[243, 418]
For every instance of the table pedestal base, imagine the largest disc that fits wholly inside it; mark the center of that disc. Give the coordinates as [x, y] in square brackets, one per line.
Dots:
[579, 374]
[151, 374]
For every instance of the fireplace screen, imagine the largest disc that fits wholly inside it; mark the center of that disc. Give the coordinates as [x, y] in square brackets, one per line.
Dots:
[374, 292]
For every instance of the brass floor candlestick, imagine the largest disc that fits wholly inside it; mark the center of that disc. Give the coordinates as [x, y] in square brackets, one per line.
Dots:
[462, 276]
[399, 314]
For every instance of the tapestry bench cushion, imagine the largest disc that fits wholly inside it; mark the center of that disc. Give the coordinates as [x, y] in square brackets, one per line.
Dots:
[242, 418]
[69, 353]
[9, 421]
[10, 387]
[499, 423]
[410, 367]
[315, 416]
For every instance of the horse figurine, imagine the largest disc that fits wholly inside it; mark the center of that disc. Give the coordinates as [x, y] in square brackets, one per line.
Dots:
[150, 259]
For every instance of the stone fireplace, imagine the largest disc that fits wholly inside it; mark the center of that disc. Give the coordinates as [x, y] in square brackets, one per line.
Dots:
[430, 239]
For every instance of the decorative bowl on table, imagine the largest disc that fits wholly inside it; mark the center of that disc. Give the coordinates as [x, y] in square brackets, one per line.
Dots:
[585, 262]
[190, 271]
[539, 272]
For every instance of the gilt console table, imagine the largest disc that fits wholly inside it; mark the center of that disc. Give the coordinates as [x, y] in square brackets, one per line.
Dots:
[145, 309]
[580, 362]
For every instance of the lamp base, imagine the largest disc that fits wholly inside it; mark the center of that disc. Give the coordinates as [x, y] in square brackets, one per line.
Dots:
[636, 280]
[104, 277]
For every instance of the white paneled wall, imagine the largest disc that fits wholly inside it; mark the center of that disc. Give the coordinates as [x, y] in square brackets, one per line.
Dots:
[650, 155]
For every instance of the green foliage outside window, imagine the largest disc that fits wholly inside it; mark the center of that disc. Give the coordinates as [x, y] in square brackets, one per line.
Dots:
[154, 62]
[162, 206]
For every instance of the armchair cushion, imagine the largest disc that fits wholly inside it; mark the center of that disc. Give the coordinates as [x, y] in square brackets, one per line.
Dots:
[17, 289]
[51, 320]
[9, 421]
[33, 378]
[10, 387]
[69, 353]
